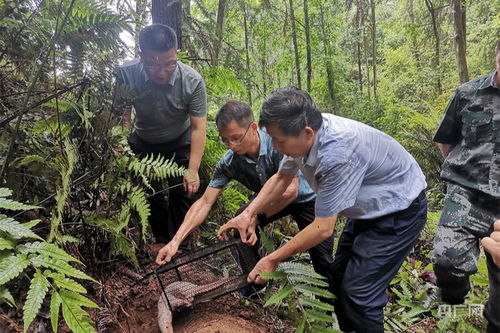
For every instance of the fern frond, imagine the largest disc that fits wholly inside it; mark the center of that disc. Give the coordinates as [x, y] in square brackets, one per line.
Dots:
[319, 316]
[308, 280]
[155, 168]
[14, 205]
[55, 306]
[16, 229]
[279, 296]
[60, 266]
[296, 268]
[76, 318]
[140, 203]
[76, 298]
[6, 296]
[36, 293]
[122, 245]
[6, 244]
[63, 282]
[5, 192]
[11, 266]
[314, 291]
[32, 223]
[314, 303]
[48, 249]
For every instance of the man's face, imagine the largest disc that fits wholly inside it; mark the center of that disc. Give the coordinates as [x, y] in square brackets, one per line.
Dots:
[293, 146]
[239, 139]
[159, 65]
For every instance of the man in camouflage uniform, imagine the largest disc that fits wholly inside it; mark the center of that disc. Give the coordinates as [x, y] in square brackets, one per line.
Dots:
[469, 139]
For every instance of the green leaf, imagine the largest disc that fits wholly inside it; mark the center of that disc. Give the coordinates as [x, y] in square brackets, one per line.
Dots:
[48, 249]
[14, 205]
[276, 275]
[60, 266]
[16, 229]
[76, 318]
[5, 192]
[7, 244]
[314, 303]
[55, 305]
[300, 327]
[76, 298]
[36, 294]
[279, 296]
[308, 280]
[6, 296]
[32, 223]
[314, 291]
[295, 268]
[63, 282]
[11, 266]
[319, 316]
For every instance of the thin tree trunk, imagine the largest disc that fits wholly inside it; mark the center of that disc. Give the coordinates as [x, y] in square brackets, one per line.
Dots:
[308, 46]
[328, 64]
[168, 12]
[374, 47]
[460, 39]
[140, 19]
[247, 53]
[367, 64]
[358, 48]
[411, 15]
[437, 60]
[295, 45]
[219, 31]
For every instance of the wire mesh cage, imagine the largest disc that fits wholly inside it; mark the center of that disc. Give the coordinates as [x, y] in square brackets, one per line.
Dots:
[205, 274]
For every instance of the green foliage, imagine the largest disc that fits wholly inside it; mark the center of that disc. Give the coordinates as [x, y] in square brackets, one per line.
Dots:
[302, 292]
[22, 257]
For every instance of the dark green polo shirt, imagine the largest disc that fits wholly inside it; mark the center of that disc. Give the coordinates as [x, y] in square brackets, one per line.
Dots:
[471, 124]
[163, 111]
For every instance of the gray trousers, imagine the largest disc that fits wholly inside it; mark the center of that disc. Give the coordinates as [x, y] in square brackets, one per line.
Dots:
[468, 216]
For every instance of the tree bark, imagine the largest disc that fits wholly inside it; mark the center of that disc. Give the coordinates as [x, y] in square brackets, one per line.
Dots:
[308, 46]
[168, 12]
[459, 12]
[437, 60]
[328, 64]
[247, 52]
[219, 31]
[295, 45]
[374, 47]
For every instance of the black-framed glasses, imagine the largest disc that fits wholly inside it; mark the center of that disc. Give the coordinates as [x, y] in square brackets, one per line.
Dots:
[157, 67]
[236, 142]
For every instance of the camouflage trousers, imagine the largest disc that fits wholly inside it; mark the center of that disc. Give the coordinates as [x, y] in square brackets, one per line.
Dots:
[468, 215]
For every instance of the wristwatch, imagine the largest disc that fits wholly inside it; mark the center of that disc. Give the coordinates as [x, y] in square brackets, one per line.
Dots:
[261, 217]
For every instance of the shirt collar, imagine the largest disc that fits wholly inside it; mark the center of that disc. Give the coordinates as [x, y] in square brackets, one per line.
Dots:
[263, 141]
[489, 81]
[174, 76]
[311, 158]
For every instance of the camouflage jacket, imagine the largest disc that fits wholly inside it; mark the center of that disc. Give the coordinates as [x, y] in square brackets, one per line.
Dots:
[471, 124]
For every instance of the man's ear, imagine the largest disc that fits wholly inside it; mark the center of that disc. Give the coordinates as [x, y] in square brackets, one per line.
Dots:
[309, 132]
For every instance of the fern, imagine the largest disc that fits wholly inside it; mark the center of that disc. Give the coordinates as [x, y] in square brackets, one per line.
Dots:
[36, 293]
[18, 253]
[155, 167]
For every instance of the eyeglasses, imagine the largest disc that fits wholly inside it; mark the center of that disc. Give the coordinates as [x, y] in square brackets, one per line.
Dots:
[236, 142]
[156, 67]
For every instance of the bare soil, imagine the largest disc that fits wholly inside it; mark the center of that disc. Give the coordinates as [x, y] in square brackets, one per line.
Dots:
[135, 309]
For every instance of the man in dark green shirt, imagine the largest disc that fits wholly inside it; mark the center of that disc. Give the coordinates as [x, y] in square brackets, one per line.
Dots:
[469, 139]
[170, 105]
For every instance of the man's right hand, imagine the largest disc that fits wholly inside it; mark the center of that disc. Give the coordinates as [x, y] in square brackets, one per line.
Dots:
[167, 252]
[245, 224]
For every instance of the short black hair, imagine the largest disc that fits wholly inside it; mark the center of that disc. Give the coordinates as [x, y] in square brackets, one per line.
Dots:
[234, 110]
[291, 109]
[157, 38]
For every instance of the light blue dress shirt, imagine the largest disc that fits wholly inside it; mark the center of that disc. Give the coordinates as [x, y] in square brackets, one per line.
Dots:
[357, 171]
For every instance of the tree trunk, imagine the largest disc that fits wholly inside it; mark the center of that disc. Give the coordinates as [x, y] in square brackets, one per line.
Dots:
[358, 48]
[374, 47]
[460, 37]
[367, 64]
[308, 46]
[168, 12]
[437, 60]
[295, 45]
[328, 64]
[247, 53]
[411, 15]
[219, 31]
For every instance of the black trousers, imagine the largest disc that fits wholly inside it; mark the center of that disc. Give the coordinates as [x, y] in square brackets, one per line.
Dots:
[303, 214]
[167, 208]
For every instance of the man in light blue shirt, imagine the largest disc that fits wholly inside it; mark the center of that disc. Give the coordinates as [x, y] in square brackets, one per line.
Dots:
[251, 160]
[358, 172]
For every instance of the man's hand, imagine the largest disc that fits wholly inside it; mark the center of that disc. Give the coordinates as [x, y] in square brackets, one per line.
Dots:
[191, 182]
[167, 252]
[264, 265]
[492, 244]
[245, 224]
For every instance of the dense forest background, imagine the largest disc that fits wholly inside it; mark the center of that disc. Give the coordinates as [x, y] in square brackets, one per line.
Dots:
[392, 64]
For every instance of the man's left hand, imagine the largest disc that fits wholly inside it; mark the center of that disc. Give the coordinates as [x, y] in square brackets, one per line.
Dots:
[265, 264]
[191, 182]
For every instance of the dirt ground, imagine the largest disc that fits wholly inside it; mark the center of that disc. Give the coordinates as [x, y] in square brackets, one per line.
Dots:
[135, 310]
